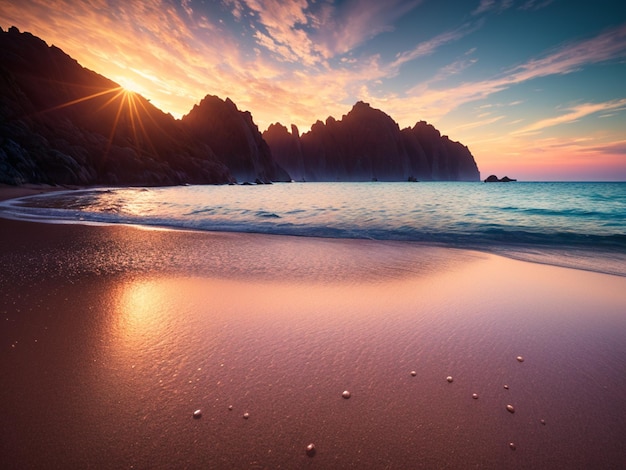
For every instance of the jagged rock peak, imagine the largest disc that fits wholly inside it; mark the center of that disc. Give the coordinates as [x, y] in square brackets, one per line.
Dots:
[235, 138]
[212, 103]
[367, 144]
[360, 108]
[361, 105]
[364, 110]
[277, 126]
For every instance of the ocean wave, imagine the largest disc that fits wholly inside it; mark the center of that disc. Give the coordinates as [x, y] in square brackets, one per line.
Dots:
[462, 216]
[569, 212]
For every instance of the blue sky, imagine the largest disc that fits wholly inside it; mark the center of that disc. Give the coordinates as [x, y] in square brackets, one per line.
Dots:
[535, 88]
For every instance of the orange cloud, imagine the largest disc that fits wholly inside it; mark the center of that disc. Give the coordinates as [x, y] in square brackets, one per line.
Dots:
[293, 62]
[573, 114]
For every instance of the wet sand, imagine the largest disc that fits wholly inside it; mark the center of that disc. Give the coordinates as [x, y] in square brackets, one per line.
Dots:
[10, 192]
[113, 336]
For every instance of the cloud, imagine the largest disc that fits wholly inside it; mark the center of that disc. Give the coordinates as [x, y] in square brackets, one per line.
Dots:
[481, 123]
[283, 34]
[431, 100]
[574, 114]
[535, 4]
[236, 8]
[493, 5]
[485, 5]
[312, 32]
[612, 148]
[340, 29]
[571, 57]
[427, 48]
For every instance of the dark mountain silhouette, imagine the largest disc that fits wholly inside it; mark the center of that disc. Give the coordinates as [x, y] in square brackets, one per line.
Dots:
[367, 144]
[63, 124]
[233, 134]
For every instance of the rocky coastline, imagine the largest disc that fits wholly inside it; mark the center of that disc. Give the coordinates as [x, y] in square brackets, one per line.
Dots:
[62, 124]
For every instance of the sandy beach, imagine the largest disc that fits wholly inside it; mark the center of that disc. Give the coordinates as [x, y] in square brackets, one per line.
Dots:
[112, 336]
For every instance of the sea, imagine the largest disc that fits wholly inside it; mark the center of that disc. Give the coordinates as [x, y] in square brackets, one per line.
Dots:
[577, 225]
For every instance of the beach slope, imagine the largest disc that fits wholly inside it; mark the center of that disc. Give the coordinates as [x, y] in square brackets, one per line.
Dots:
[112, 336]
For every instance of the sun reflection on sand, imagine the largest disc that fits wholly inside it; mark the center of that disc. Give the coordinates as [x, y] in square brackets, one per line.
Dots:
[191, 316]
[141, 310]
[161, 313]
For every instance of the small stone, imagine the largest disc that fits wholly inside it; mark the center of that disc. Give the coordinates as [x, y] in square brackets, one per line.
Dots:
[230, 407]
[520, 359]
[542, 421]
[475, 396]
[346, 394]
[510, 408]
[506, 387]
[413, 373]
[512, 446]
[246, 415]
[310, 450]
[197, 414]
[449, 378]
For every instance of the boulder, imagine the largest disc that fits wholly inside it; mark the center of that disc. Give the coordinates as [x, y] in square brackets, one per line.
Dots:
[495, 179]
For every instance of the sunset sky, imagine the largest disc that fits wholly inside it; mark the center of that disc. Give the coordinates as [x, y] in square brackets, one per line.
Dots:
[535, 88]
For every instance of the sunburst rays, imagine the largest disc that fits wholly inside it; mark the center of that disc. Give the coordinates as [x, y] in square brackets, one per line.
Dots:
[123, 105]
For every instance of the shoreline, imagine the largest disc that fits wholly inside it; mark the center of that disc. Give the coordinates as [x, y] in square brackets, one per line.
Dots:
[13, 192]
[571, 257]
[113, 336]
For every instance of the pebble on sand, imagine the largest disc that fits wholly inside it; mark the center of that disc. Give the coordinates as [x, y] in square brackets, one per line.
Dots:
[413, 373]
[542, 421]
[346, 394]
[512, 445]
[449, 378]
[246, 415]
[197, 414]
[310, 450]
[475, 396]
[510, 408]
[520, 359]
[230, 407]
[506, 387]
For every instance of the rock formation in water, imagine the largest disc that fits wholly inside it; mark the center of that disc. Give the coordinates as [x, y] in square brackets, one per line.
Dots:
[367, 144]
[63, 124]
[495, 179]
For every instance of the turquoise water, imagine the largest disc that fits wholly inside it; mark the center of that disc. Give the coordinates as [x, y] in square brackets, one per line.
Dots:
[581, 225]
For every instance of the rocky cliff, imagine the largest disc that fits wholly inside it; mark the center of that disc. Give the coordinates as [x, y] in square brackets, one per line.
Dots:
[367, 144]
[233, 135]
[63, 124]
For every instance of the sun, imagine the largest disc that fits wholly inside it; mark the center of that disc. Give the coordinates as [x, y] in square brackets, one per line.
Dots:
[129, 86]
[124, 108]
